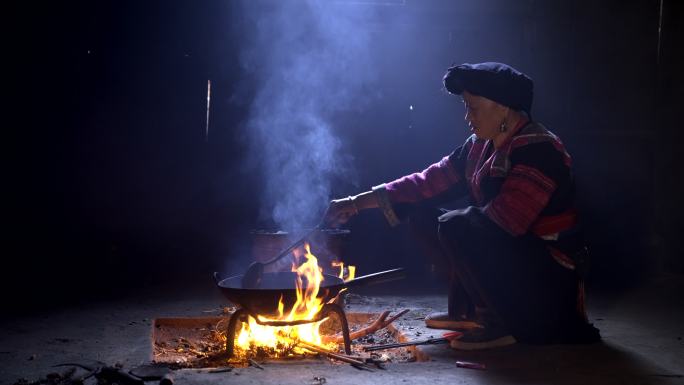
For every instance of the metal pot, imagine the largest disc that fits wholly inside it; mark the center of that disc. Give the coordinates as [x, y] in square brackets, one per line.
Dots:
[281, 286]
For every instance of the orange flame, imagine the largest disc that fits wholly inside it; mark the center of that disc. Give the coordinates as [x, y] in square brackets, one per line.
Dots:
[350, 271]
[309, 277]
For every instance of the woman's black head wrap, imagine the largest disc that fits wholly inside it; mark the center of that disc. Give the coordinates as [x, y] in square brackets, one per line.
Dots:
[495, 81]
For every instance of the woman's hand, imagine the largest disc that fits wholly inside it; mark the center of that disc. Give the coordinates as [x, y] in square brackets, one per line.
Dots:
[340, 211]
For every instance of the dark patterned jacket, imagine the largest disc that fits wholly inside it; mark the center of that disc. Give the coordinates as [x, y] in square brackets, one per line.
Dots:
[524, 186]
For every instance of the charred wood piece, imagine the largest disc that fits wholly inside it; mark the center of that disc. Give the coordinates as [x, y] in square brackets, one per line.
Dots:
[109, 374]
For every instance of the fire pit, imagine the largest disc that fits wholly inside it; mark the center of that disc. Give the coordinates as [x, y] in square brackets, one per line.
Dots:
[199, 342]
[310, 297]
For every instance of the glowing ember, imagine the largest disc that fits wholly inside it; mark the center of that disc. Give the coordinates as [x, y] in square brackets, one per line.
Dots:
[280, 341]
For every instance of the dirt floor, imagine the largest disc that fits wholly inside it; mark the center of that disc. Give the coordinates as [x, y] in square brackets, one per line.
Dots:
[642, 343]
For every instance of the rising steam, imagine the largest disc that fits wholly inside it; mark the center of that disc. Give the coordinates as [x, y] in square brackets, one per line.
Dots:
[309, 61]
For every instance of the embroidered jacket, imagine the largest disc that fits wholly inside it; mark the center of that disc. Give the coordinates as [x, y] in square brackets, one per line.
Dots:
[524, 186]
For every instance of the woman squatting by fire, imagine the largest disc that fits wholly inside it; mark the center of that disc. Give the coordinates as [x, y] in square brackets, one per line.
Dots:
[515, 254]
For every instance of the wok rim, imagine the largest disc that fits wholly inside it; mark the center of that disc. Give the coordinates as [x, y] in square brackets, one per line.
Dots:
[336, 282]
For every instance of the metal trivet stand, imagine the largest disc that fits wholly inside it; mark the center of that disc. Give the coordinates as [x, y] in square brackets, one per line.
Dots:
[240, 315]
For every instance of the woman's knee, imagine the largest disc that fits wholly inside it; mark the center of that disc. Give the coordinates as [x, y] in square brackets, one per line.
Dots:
[423, 217]
[423, 223]
[455, 226]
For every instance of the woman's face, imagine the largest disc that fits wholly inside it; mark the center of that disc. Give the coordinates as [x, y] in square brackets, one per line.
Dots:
[484, 116]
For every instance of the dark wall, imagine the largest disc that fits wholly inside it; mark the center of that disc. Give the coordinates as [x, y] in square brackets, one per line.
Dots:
[669, 189]
[116, 185]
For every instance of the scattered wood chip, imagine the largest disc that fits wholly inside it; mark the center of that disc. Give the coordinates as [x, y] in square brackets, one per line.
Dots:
[221, 370]
[470, 365]
[255, 364]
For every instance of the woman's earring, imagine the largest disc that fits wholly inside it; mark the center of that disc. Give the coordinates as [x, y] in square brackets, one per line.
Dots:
[502, 128]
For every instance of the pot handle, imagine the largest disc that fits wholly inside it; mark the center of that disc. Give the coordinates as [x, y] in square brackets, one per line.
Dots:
[379, 277]
[218, 277]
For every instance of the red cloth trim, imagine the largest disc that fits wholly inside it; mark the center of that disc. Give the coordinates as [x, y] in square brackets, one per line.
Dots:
[482, 170]
[523, 140]
[581, 301]
[523, 195]
[432, 181]
[561, 258]
[555, 223]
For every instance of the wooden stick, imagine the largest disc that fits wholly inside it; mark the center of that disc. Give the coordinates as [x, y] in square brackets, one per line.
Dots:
[328, 353]
[380, 323]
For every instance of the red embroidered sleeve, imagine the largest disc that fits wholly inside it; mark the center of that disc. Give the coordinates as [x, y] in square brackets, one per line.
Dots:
[524, 193]
[432, 181]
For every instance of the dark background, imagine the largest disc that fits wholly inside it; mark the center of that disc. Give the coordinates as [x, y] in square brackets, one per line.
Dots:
[114, 187]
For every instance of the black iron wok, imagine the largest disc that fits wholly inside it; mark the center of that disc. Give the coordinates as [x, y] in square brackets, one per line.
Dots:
[264, 299]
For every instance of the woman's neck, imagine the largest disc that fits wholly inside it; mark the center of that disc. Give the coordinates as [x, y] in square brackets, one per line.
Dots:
[512, 125]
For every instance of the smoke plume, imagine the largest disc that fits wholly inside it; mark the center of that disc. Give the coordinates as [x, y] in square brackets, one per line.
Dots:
[308, 61]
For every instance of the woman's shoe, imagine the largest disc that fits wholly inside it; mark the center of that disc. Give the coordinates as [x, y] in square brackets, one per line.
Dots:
[442, 320]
